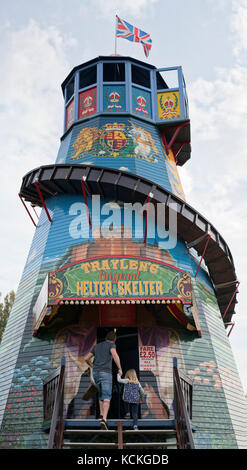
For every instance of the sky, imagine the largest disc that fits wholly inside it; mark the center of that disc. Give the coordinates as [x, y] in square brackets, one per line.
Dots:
[40, 42]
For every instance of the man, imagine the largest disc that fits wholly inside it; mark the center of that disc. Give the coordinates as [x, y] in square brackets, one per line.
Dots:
[102, 372]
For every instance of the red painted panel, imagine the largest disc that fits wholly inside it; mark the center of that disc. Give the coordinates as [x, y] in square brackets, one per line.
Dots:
[118, 315]
[87, 103]
[70, 114]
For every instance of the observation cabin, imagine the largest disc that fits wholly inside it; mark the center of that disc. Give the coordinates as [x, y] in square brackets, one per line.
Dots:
[116, 85]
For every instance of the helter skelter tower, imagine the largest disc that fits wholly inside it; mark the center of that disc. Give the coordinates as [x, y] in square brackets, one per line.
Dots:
[126, 130]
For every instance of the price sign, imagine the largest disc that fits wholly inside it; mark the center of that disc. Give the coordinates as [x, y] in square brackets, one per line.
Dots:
[147, 358]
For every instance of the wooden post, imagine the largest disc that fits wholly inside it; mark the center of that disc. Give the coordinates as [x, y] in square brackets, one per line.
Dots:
[120, 434]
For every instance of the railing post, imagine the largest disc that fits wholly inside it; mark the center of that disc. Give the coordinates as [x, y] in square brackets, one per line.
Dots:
[57, 422]
[183, 428]
[120, 434]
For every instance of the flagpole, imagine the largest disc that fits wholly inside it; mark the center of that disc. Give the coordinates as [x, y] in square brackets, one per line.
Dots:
[116, 36]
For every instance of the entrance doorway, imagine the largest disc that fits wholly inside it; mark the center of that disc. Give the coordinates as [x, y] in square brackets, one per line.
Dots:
[127, 349]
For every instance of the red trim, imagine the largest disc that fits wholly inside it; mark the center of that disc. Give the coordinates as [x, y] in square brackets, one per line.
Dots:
[176, 313]
[87, 188]
[165, 143]
[207, 242]
[43, 201]
[176, 152]
[85, 200]
[35, 211]
[178, 128]
[27, 210]
[233, 323]
[47, 190]
[229, 304]
[120, 257]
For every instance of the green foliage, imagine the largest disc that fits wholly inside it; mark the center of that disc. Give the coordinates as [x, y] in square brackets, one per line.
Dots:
[5, 309]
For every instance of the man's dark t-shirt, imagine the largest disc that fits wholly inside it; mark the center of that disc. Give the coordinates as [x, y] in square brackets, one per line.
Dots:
[102, 356]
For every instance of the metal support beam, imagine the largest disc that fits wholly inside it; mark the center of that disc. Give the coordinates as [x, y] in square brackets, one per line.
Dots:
[176, 152]
[150, 195]
[85, 200]
[232, 325]
[43, 201]
[196, 242]
[27, 210]
[168, 146]
[33, 207]
[203, 254]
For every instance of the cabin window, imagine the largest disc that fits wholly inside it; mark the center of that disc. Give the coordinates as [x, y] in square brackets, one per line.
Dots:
[140, 76]
[113, 72]
[167, 79]
[88, 77]
[70, 89]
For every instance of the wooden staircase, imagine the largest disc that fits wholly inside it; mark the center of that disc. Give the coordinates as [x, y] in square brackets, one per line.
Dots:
[157, 434]
[150, 434]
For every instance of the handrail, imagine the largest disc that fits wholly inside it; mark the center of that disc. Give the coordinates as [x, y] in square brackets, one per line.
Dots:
[57, 422]
[183, 413]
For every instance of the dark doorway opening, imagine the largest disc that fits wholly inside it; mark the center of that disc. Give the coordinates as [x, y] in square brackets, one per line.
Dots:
[127, 349]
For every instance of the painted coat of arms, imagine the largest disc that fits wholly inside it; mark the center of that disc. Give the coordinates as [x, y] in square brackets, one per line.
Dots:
[115, 139]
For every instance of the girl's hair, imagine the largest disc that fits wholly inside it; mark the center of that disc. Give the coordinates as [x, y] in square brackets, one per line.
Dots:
[131, 376]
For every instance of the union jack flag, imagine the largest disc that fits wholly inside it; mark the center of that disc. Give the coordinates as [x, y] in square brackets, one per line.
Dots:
[130, 32]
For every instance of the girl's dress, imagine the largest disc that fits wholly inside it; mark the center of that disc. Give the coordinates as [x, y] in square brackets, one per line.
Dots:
[131, 397]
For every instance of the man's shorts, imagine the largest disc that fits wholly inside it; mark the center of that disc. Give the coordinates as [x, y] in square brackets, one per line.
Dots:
[103, 382]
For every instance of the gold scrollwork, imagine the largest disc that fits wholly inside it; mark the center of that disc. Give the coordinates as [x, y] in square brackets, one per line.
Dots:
[184, 287]
[55, 287]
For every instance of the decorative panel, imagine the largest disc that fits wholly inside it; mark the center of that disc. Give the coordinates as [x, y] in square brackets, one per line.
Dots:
[114, 99]
[87, 103]
[141, 103]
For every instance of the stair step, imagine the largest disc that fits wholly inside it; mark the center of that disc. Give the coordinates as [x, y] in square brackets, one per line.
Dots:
[81, 432]
[89, 431]
[115, 444]
[90, 444]
[150, 431]
[149, 444]
[125, 431]
[142, 423]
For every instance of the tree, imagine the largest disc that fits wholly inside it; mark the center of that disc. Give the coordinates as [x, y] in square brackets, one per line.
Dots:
[5, 309]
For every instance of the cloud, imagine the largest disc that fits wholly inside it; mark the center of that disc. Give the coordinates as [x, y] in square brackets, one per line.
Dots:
[34, 61]
[239, 27]
[31, 121]
[110, 8]
[215, 179]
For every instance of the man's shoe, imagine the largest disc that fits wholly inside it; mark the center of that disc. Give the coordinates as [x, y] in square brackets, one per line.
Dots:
[103, 425]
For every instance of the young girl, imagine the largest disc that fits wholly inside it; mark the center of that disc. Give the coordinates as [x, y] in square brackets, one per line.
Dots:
[132, 394]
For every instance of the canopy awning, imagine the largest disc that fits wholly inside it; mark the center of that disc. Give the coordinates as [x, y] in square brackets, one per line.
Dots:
[115, 280]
